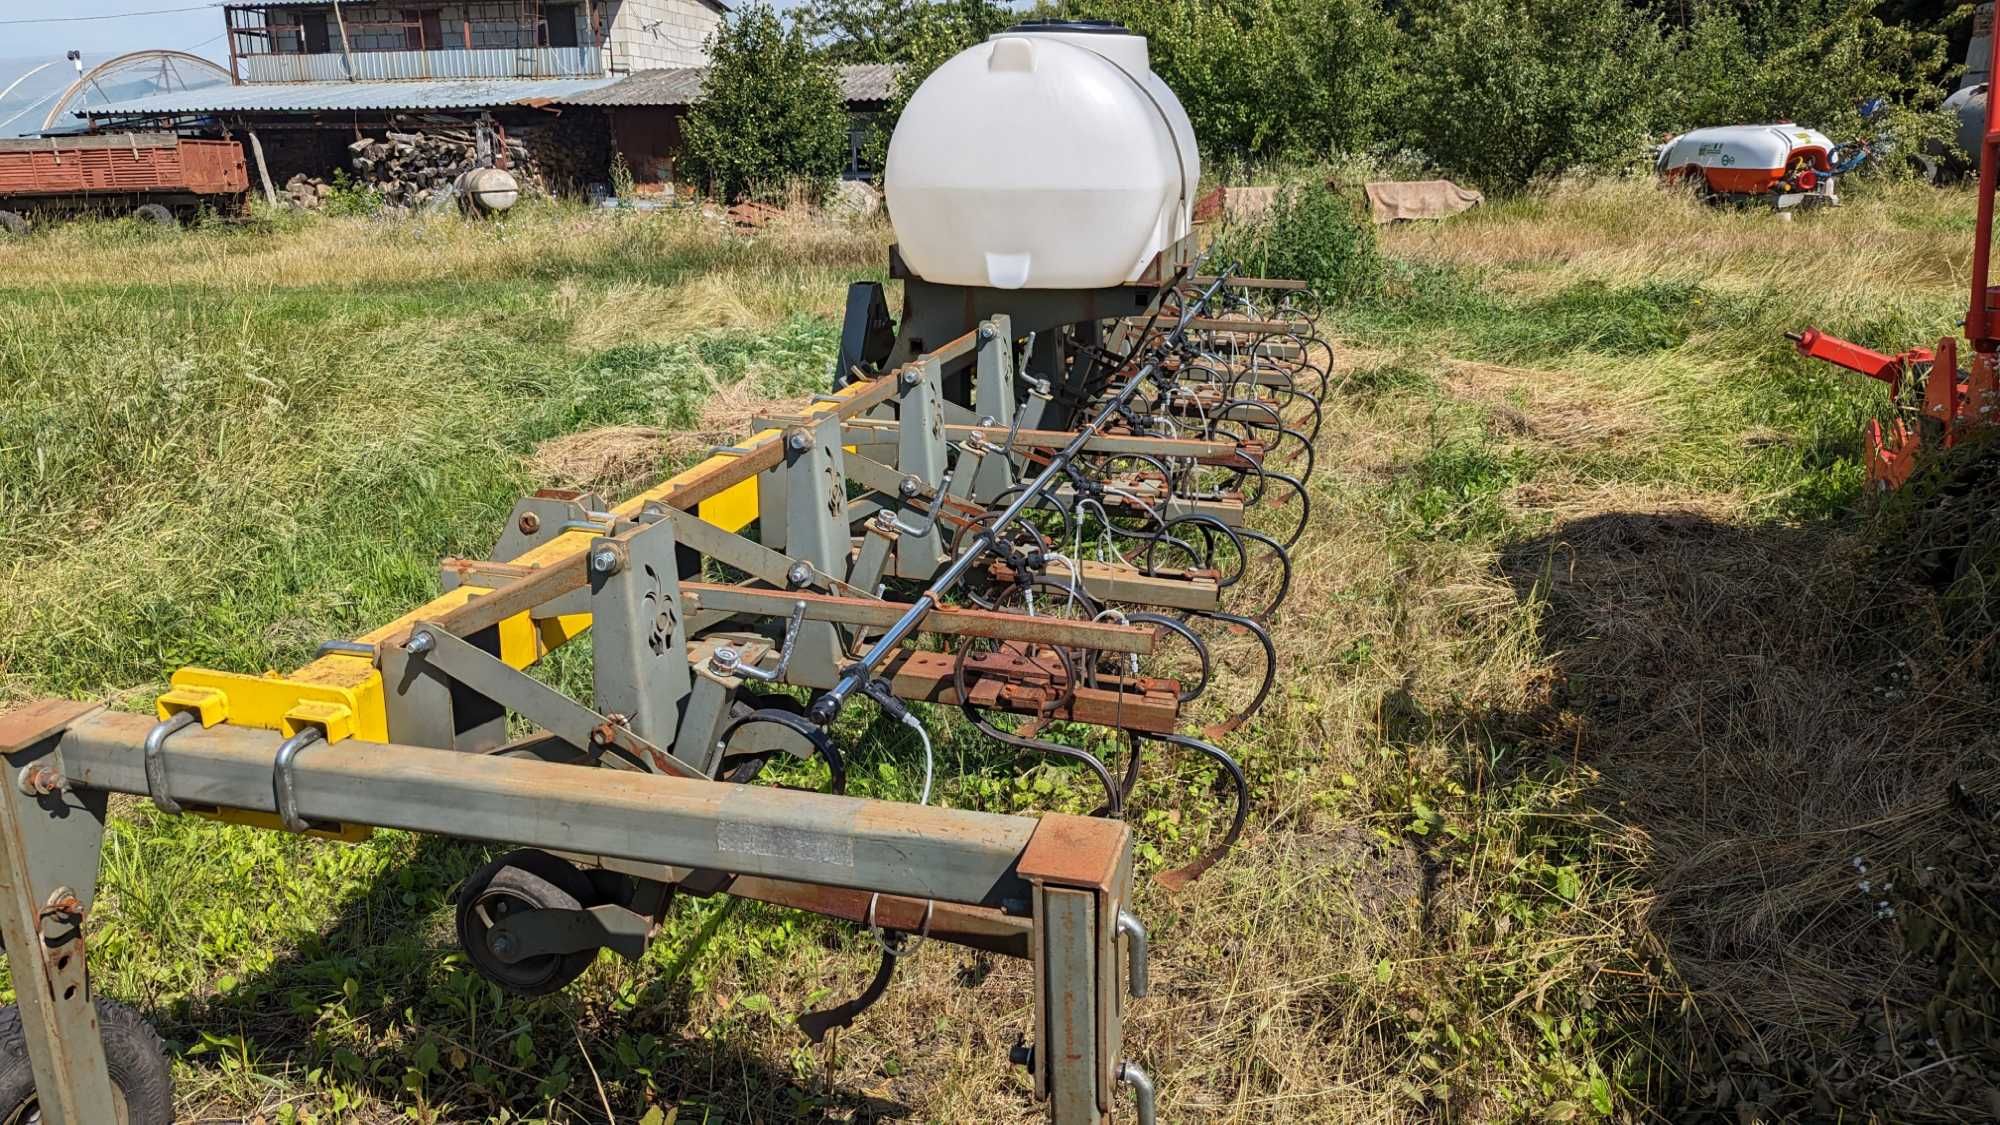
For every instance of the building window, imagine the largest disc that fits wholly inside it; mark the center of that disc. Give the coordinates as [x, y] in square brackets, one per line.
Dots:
[313, 33]
[559, 26]
[423, 31]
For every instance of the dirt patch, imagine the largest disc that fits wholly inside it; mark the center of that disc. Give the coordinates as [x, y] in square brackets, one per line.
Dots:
[621, 459]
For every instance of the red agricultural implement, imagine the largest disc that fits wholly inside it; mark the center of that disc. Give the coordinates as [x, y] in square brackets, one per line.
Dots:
[1938, 403]
[159, 177]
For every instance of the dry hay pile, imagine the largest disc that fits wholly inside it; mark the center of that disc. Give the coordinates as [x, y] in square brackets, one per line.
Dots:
[1798, 769]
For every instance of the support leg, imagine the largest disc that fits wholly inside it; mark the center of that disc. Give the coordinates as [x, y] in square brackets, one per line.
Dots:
[50, 842]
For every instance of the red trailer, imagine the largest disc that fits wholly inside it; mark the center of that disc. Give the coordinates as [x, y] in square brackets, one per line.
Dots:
[159, 177]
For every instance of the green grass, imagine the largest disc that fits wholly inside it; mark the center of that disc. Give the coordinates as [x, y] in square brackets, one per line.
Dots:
[1557, 794]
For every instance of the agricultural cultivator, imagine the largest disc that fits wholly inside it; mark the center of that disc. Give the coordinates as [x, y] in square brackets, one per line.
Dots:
[1937, 403]
[1040, 506]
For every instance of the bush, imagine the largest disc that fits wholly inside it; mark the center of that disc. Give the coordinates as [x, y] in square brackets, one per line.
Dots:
[770, 113]
[1313, 235]
[1502, 93]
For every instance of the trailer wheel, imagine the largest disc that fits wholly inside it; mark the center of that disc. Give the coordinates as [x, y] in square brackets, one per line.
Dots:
[522, 880]
[154, 214]
[13, 223]
[141, 1085]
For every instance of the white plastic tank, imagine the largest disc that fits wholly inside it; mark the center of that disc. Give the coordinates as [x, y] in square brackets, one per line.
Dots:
[1048, 157]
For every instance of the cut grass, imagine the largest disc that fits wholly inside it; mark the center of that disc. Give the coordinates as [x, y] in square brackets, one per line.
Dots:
[1558, 796]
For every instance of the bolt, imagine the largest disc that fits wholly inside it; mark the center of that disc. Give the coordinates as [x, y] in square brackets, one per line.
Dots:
[799, 575]
[420, 643]
[39, 780]
[885, 520]
[605, 561]
[910, 487]
[985, 333]
[911, 376]
[727, 660]
[799, 441]
[501, 944]
[530, 523]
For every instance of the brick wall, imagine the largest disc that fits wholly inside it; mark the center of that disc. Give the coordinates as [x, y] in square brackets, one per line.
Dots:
[652, 34]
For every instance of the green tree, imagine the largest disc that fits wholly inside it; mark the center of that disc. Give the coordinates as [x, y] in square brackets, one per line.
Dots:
[860, 31]
[770, 113]
[1502, 93]
[1810, 61]
[933, 33]
[1268, 79]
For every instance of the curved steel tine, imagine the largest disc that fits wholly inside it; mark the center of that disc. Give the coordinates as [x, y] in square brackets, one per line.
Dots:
[1305, 506]
[1285, 578]
[804, 728]
[1218, 730]
[1306, 444]
[1209, 525]
[1172, 625]
[1114, 801]
[1179, 877]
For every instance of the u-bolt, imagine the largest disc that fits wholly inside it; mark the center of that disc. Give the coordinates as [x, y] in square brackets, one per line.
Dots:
[156, 760]
[281, 777]
[1134, 1076]
[1135, 953]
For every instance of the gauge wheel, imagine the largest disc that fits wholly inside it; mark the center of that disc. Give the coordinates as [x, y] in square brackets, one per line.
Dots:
[142, 1089]
[154, 214]
[13, 223]
[516, 882]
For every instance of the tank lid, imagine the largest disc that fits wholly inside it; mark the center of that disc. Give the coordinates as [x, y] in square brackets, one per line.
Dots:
[1070, 27]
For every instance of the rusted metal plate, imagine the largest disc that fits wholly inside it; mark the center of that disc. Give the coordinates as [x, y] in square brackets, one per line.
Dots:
[975, 927]
[31, 723]
[1076, 851]
[1022, 687]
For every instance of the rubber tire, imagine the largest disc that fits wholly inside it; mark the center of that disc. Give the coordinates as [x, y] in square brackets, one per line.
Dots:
[14, 223]
[544, 882]
[153, 214]
[132, 1050]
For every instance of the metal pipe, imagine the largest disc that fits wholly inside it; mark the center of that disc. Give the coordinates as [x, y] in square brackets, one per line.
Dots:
[827, 707]
[951, 855]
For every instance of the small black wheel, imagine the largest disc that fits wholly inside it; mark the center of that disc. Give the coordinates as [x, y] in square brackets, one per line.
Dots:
[154, 214]
[516, 882]
[14, 223]
[141, 1085]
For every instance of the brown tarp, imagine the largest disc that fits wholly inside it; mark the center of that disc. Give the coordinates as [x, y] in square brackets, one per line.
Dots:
[1390, 200]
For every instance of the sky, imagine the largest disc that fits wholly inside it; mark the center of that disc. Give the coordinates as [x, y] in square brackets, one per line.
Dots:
[99, 39]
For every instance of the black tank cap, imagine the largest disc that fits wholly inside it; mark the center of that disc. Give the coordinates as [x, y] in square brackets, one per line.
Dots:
[1073, 27]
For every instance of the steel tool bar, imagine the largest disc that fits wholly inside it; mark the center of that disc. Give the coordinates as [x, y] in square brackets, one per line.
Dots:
[827, 707]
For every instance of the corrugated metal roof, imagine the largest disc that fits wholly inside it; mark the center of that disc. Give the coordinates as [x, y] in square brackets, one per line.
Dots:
[310, 97]
[681, 85]
[114, 141]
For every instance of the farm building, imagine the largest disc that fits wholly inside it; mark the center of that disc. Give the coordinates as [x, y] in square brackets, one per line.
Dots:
[571, 84]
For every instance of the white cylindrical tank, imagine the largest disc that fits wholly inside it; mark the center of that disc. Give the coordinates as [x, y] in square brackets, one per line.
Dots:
[488, 191]
[1048, 157]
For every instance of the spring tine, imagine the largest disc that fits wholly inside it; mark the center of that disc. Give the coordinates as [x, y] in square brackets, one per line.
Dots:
[1114, 801]
[1305, 506]
[1180, 877]
[1284, 580]
[1218, 730]
[1173, 625]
